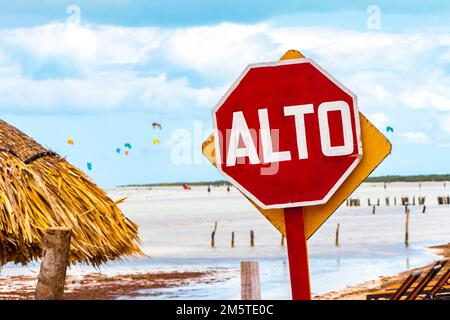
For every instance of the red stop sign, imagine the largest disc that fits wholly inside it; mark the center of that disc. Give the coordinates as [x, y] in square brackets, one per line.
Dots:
[287, 134]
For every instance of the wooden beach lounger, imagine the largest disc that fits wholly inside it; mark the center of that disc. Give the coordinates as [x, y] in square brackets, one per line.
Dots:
[398, 293]
[416, 291]
[439, 285]
[424, 282]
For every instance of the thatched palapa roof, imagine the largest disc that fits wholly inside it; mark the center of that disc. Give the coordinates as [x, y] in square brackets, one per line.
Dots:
[39, 189]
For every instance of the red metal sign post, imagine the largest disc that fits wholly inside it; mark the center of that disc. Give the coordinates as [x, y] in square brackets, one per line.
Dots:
[297, 253]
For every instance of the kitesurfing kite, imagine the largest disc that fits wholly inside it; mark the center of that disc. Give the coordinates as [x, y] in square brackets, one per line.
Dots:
[156, 125]
[70, 141]
[156, 141]
[186, 187]
[389, 129]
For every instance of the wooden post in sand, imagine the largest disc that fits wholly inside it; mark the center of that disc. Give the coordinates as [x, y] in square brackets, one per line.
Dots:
[213, 234]
[55, 258]
[406, 228]
[252, 238]
[250, 286]
[282, 240]
[424, 208]
[232, 239]
[373, 209]
[337, 235]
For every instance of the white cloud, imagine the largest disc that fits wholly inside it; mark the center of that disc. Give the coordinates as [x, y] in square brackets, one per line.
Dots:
[445, 122]
[379, 119]
[104, 92]
[58, 67]
[416, 137]
[426, 98]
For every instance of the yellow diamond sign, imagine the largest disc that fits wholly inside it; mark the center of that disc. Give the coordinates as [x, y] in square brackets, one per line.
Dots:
[376, 147]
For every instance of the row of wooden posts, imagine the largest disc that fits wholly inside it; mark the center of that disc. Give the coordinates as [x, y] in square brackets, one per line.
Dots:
[444, 200]
[252, 234]
[356, 202]
[252, 237]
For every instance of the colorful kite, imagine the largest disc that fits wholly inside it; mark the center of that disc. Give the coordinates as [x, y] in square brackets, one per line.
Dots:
[70, 141]
[89, 166]
[156, 125]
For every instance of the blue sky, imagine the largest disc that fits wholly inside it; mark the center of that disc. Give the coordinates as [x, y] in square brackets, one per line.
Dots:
[103, 76]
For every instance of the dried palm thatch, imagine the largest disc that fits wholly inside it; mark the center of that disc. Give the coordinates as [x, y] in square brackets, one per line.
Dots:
[39, 189]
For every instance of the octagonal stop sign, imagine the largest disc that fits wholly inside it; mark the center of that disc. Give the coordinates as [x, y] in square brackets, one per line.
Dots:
[287, 134]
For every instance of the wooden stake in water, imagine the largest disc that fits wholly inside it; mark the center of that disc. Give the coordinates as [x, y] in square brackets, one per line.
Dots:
[250, 286]
[252, 238]
[232, 239]
[407, 228]
[213, 234]
[424, 208]
[55, 258]
[282, 240]
[373, 209]
[337, 235]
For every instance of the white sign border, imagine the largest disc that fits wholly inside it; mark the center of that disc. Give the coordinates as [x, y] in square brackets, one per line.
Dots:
[357, 123]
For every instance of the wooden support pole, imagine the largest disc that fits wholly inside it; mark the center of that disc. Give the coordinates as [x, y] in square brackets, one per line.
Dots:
[373, 209]
[395, 201]
[378, 202]
[368, 202]
[337, 235]
[424, 208]
[407, 228]
[252, 238]
[282, 240]
[232, 239]
[55, 258]
[250, 286]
